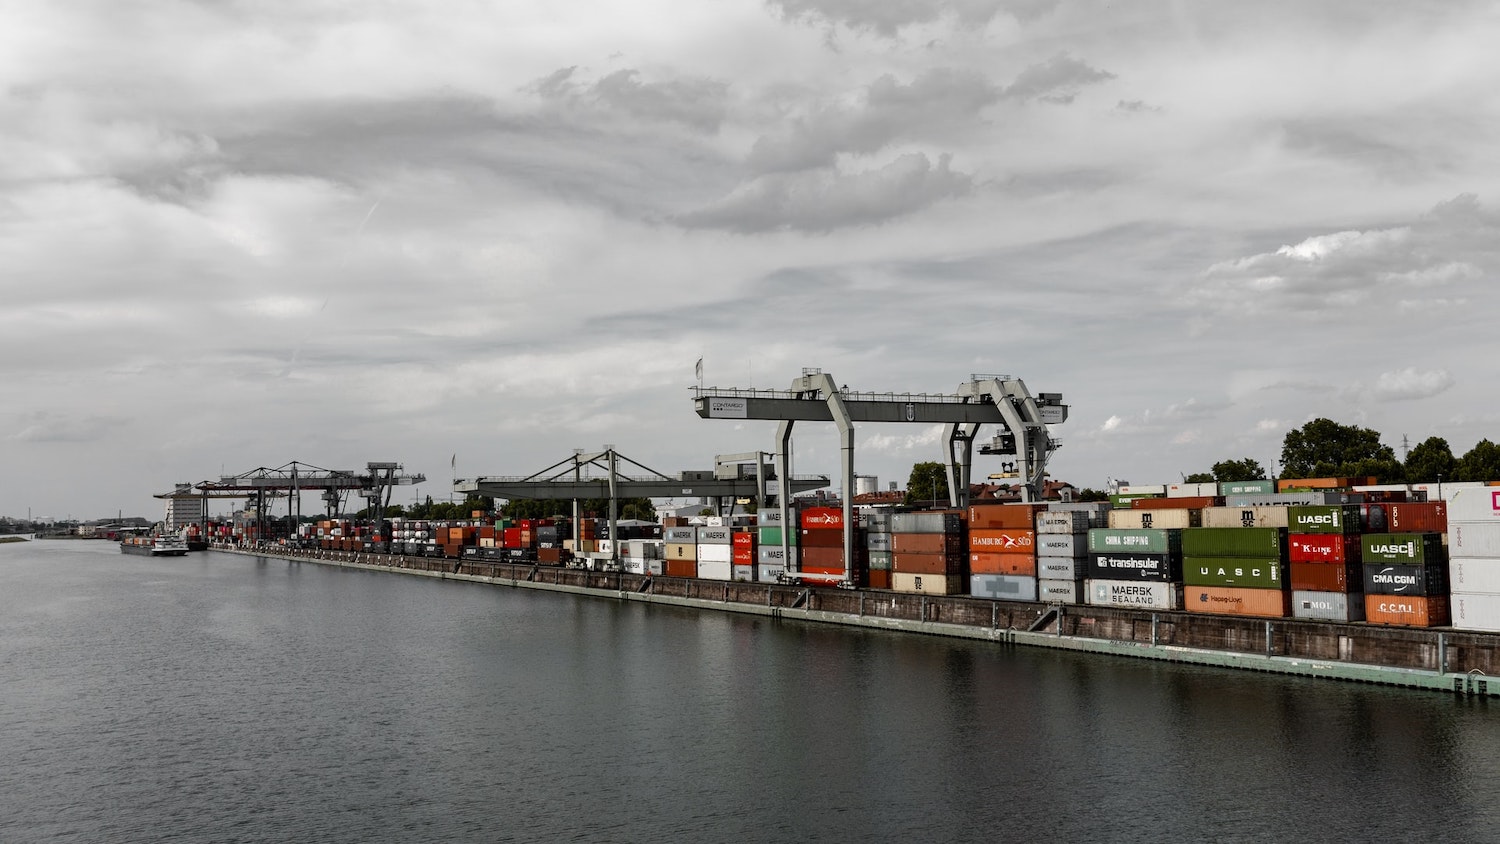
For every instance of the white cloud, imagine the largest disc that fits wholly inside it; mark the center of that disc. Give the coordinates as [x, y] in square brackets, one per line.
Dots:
[1409, 383]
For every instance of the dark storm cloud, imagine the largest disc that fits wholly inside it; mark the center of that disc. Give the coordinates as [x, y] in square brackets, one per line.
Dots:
[824, 200]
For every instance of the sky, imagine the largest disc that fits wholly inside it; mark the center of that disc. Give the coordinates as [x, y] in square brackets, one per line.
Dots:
[472, 237]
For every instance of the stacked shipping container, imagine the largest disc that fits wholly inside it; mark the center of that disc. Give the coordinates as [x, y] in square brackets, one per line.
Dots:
[1002, 551]
[1474, 559]
[928, 553]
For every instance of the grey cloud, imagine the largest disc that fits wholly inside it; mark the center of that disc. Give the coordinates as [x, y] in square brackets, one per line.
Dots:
[1409, 383]
[50, 427]
[1454, 248]
[932, 105]
[1056, 80]
[821, 201]
[888, 17]
[1362, 143]
[698, 103]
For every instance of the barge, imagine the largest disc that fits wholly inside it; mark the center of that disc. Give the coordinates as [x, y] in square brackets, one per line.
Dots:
[1457, 662]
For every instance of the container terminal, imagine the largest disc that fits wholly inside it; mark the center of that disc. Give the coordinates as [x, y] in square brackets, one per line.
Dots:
[1329, 577]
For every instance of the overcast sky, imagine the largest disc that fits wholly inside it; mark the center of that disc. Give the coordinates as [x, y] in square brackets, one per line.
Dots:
[238, 234]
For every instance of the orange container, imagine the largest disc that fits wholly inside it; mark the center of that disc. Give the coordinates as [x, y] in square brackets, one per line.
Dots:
[1190, 503]
[680, 568]
[880, 580]
[914, 563]
[1003, 541]
[1004, 516]
[1407, 611]
[820, 538]
[1021, 564]
[1225, 600]
[926, 543]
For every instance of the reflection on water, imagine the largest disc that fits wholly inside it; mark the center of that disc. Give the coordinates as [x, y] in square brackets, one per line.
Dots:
[218, 697]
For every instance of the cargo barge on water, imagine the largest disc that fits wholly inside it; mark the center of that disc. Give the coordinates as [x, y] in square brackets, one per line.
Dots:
[1458, 662]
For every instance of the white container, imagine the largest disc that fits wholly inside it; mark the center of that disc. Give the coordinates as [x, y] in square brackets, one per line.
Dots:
[746, 573]
[633, 566]
[1471, 574]
[1154, 519]
[1475, 611]
[714, 554]
[1074, 521]
[1003, 587]
[1067, 591]
[768, 574]
[715, 570]
[1208, 490]
[1143, 489]
[1260, 515]
[928, 584]
[1474, 539]
[1070, 545]
[1480, 504]
[1060, 568]
[1134, 593]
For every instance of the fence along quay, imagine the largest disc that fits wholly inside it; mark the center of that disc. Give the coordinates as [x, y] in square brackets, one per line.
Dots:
[1459, 662]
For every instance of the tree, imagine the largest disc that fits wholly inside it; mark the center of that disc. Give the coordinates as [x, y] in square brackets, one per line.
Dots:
[1430, 460]
[1198, 478]
[1480, 463]
[928, 482]
[1323, 448]
[1088, 494]
[1239, 470]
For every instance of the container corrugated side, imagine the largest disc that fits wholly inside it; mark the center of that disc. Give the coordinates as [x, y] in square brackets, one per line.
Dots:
[1407, 611]
[1402, 548]
[1002, 564]
[1074, 546]
[772, 536]
[1323, 548]
[765, 573]
[714, 553]
[1135, 541]
[1475, 505]
[744, 573]
[1133, 593]
[1230, 600]
[1067, 522]
[944, 522]
[1337, 518]
[772, 555]
[680, 550]
[1328, 606]
[1474, 574]
[1154, 519]
[1326, 577]
[1242, 572]
[715, 570]
[1475, 611]
[715, 536]
[1227, 488]
[1061, 568]
[1473, 539]
[1258, 516]
[1429, 579]
[927, 584]
[1002, 587]
[1003, 516]
[1133, 567]
[1068, 591]
[1234, 542]
[1003, 541]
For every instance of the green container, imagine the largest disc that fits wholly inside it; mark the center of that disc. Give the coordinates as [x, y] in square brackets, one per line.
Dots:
[772, 536]
[1403, 549]
[880, 560]
[1234, 542]
[1323, 518]
[1122, 502]
[1247, 487]
[1135, 540]
[1246, 572]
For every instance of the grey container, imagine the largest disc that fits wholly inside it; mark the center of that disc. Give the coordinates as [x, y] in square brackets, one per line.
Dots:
[1060, 568]
[1065, 522]
[878, 541]
[715, 536]
[1328, 606]
[1074, 546]
[1003, 587]
[1292, 499]
[679, 534]
[876, 520]
[772, 555]
[949, 523]
[1060, 591]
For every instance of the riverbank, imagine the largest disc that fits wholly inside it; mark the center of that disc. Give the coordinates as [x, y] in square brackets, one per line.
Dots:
[1432, 659]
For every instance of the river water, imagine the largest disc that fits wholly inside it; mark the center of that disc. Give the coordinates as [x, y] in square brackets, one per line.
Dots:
[224, 698]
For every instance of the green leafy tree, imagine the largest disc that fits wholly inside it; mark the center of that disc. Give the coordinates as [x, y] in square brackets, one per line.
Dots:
[1238, 470]
[1088, 494]
[1430, 460]
[928, 482]
[1323, 448]
[1480, 463]
[1198, 478]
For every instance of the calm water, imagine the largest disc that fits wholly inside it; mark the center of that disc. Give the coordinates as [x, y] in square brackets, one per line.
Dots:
[226, 698]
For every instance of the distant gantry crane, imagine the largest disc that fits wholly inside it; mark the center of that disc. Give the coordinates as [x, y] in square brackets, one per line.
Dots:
[374, 485]
[817, 397]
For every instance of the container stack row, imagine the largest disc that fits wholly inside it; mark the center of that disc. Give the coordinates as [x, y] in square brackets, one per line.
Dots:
[1474, 559]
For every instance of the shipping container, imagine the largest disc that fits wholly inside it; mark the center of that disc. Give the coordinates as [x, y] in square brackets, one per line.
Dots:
[1136, 541]
[1474, 574]
[715, 570]
[1402, 548]
[1134, 594]
[1407, 610]
[1473, 539]
[1060, 591]
[1124, 501]
[1143, 489]
[680, 551]
[1155, 519]
[1328, 606]
[768, 573]
[1003, 541]
[1475, 505]
[928, 543]
[680, 534]
[1197, 502]
[744, 539]
[1429, 579]
[1227, 488]
[878, 541]
[1068, 522]
[1409, 517]
[928, 584]
[773, 535]
[879, 578]
[1004, 516]
[1294, 499]
[743, 573]
[823, 518]
[1259, 516]
[1326, 577]
[1229, 600]
[1234, 542]
[714, 553]
[1074, 546]
[830, 558]
[1323, 548]
[876, 520]
[823, 538]
[773, 555]
[1132, 567]
[1061, 568]
[1194, 490]
[912, 563]
[1010, 564]
[679, 568]
[715, 536]
[772, 517]
[1475, 611]
[880, 560]
[1241, 572]
[937, 522]
[1002, 587]
[1323, 519]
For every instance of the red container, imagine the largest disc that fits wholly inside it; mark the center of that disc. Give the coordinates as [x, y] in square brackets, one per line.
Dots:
[1189, 503]
[823, 518]
[828, 557]
[1326, 577]
[910, 563]
[1003, 541]
[746, 539]
[880, 580]
[680, 568]
[820, 538]
[743, 556]
[1407, 610]
[1415, 517]
[1018, 564]
[551, 556]
[927, 543]
[1323, 548]
[1004, 516]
